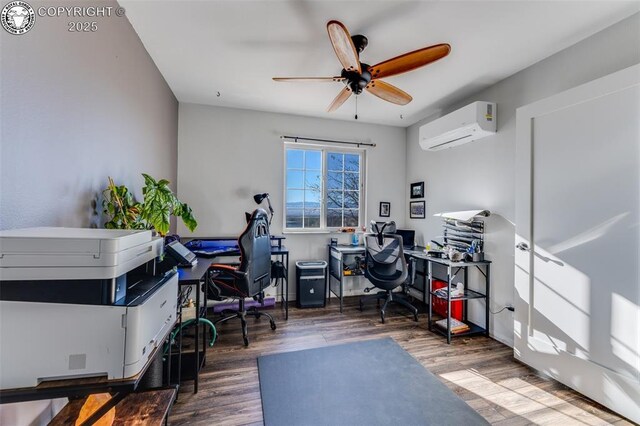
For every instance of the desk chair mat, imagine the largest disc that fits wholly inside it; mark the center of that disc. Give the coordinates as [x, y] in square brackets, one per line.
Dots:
[374, 382]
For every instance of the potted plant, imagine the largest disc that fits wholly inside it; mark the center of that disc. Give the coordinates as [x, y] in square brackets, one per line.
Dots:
[154, 212]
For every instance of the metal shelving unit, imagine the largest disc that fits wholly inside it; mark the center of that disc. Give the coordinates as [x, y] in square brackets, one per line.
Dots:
[344, 262]
[453, 268]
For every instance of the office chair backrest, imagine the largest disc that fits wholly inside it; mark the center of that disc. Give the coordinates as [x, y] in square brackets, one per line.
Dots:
[255, 251]
[386, 265]
[380, 228]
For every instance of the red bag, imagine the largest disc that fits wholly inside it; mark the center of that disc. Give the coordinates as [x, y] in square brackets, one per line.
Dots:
[440, 305]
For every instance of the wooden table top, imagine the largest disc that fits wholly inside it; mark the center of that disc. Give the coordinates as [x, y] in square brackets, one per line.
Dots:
[147, 408]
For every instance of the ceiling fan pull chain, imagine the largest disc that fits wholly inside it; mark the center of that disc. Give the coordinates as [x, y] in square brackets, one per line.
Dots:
[356, 108]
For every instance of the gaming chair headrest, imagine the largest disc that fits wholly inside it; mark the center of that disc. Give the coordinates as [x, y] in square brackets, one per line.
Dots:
[257, 213]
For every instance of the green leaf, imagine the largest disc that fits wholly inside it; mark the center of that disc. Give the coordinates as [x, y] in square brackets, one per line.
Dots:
[187, 217]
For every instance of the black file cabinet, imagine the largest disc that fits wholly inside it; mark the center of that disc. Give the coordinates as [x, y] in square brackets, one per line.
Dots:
[311, 283]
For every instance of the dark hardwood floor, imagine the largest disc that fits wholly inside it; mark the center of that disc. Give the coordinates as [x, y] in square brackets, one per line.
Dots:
[480, 370]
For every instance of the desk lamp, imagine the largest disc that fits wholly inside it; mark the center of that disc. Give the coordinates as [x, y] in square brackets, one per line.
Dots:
[259, 198]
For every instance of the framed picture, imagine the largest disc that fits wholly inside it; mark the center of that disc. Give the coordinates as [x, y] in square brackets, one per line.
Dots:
[385, 209]
[416, 209]
[417, 190]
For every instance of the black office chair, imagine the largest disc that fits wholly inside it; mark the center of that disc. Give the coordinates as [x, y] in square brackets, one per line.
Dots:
[250, 277]
[386, 267]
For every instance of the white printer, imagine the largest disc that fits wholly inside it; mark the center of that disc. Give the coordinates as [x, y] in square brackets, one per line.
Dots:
[78, 302]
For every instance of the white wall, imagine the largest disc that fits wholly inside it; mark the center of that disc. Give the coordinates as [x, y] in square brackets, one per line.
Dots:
[77, 108]
[482, 174]
[226, 155]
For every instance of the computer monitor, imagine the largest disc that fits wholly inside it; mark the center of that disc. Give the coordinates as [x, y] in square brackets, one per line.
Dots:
[408, 237]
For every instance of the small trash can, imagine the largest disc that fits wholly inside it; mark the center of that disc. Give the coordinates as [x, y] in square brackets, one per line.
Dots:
[311, 283]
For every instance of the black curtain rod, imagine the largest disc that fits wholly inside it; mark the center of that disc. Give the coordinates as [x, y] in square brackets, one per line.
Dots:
[299, 138]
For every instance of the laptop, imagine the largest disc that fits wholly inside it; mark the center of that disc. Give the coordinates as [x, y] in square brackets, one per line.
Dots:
[408, 238]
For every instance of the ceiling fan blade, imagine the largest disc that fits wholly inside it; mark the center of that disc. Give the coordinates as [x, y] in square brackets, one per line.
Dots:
[409, 61]
[388, 92]
[340, 99]
[343, 46]
[308, 79]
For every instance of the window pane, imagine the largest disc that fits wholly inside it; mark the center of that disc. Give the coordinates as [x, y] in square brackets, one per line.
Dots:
[334, 180]
[313, 180]
[334, 218]
[313, 160]
[294, 217]
[312, 199]
[351, 217]
[294, 158]
[352, 162]
[334, 199]
[312, 218]
[335, 161]
[295, 198]
[351, 181]
[294, 179]
[351, 199]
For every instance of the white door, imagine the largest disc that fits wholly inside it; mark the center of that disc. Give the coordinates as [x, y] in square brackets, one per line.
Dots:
[577, 280]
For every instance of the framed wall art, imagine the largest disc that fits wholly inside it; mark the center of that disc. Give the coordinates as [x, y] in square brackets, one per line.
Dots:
[417, 190]
[417, 209]
[385, 209]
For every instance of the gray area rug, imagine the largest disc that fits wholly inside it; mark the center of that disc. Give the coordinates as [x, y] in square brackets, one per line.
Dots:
[374, 382]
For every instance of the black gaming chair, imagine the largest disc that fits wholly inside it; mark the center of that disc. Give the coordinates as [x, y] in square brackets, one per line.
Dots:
[386, 267]
[250, 277]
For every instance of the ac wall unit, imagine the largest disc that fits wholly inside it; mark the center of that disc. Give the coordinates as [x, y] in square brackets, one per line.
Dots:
[470, 123]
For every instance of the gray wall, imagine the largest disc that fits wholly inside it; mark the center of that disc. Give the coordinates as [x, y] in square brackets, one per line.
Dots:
[482, 174]
[226, 155]
[76, 108]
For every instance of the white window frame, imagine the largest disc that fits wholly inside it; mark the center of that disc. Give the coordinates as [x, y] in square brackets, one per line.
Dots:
[323, 200]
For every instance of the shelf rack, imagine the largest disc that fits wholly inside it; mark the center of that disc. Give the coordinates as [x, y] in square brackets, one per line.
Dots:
[453, 268]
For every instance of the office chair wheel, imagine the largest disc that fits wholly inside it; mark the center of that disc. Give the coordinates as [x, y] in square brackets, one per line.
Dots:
[382, 316]
[415, 317]
[246, 340]
[273, 325]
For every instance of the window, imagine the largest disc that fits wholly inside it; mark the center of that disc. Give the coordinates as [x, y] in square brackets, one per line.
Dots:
[323, 188]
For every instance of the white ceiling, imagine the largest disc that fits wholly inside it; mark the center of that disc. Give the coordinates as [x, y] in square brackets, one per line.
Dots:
[235, 47]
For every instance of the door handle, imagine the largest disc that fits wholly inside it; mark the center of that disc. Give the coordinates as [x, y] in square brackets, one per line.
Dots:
[522, 246]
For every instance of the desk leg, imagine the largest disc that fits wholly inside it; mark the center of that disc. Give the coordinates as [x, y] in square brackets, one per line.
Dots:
[488, 284]
[329, 277]
[204, 331]
[286, 291]
[425, 266]
[449, 305]
[465, 303]
[341, 273]
[428, 288]
[196, 355]
[179, 351]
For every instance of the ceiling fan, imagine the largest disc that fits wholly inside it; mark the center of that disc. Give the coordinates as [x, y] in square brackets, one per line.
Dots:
[358, 76]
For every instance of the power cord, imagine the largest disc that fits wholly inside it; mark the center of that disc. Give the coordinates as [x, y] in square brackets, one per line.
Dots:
[507, 307]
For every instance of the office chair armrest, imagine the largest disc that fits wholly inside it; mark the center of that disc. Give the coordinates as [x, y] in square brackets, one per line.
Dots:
[227, 270]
